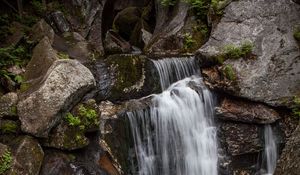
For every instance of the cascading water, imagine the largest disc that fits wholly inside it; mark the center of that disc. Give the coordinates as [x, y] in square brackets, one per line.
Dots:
[176, 136]
[270, 151]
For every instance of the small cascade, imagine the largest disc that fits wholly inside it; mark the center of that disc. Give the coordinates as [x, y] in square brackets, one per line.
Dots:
[270, 151]
[173, 69]
[176, 135]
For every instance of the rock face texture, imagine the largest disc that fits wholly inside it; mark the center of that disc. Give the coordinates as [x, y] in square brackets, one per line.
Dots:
[241, 111]
[289, 161]
[8, 104]
[273, 76]
[65, 83]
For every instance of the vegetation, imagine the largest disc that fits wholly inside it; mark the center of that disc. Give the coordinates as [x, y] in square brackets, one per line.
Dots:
[63, 56]
[297, 34]
[8, 127]
[72, 120]
[168, 2]
[5, 161]
[188, 41]
[296, 107]
[229, 73]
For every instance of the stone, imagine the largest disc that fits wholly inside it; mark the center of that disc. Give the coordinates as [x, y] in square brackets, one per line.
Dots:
[114, 44]
[66, 137]
[289, 160]
[40, 30]
[58, 22]
[42, 58]
[65, 83]
[56, 162]
[95, 34]
[27, 156]
[273, 76]
[245, 111]
[8, 104]
[240, 138]
[17, 30]
[106, 163]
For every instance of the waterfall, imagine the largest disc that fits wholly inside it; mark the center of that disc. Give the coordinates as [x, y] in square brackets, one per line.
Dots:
[176, 135]
[270, 151]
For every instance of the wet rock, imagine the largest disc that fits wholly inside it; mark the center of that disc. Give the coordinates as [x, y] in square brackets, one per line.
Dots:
[27, 156]
[65, 83]
[121, 77]
[8, 104]
[56, 162]
[273, 76]
[240, 138]
[58, 22]
[42, 58]
[248, 112]
[114, 43]
[290, 157]
[40, 30]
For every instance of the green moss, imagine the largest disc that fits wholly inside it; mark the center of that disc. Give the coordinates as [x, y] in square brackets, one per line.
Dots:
[297, 34]
[5, 161]
[13, 110]
[9, 127]
[296, 107]
[188, 42]
[72, 120]
[63, 56]
[24, 87]
[229, 73]
[168, 2]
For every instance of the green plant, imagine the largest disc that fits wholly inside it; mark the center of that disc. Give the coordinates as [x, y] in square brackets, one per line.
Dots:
[296, 107]
[38, 7]
[5, 161]
[72, 120]
[9, 127]
[229, 73]
[297, 34]
[188, 41]
[200, 7]
[168, 2]
[89, 115]
[232, 51]
[63, 56]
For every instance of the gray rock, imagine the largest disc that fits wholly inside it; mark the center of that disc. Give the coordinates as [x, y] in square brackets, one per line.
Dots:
[240, 138]
[27, 156]
[65, 83]
[42, 58]
[243, 111]
[272, 77]
[289, 160]
[58, 22]
[40, 30]
[8, 104]
[115, 44]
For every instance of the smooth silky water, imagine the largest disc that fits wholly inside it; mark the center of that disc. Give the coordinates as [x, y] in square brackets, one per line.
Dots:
[176, 134]
[270, 151]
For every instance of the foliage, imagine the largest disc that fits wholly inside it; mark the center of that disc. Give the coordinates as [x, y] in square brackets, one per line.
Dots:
[9, 127]
[38, 7]
[5, 161]
[200, 7]
[296, 107]
[72, 120]
[229, 72]
[188, 41]
[4, 26]
[297, 34]
[168, 2]
[63, 56]
[235, 52]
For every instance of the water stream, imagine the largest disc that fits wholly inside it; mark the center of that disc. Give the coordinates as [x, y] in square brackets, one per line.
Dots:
[270, 151]
[176, 134]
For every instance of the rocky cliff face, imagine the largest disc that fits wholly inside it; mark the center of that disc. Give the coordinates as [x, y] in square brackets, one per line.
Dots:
[91, 64]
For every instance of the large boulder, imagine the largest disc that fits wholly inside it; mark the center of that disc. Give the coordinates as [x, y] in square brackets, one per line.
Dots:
[58, 22]
[40, 30]
[243, 111]
[27, 156]
[8, 104]
[64, 84]
[289, 160]
[273, 76]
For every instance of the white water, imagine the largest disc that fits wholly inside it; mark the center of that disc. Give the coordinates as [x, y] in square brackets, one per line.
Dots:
[176, 136]
[270, 151]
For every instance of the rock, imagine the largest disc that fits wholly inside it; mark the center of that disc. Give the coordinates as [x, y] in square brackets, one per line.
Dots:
[8, 104]
[146, 36]
[80, 51]
[288, 124]
[273, 76]
[114, 43]
[290, 157]
[42, 58]
[65, 83]
[40, 30]
[106, 163]
[58, 22]
[240, 138]
[248, 112]
[121, 77]
[66, 137]
[17, 30]
[27, 156]
[56, 162]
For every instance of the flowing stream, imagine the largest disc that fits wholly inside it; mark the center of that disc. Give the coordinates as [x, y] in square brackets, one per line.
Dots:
[270, 151]
[176, 135]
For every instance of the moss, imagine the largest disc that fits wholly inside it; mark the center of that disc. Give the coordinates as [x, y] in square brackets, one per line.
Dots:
[9, 127]
[24, 87]
[5, 161]
[297, 34]
[296, 107]
[229, 73]
[188, 41]
[168, 2]
[63, 56]
[13, 110]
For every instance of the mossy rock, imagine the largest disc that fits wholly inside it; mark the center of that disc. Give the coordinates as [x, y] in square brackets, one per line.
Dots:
[133, 76]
